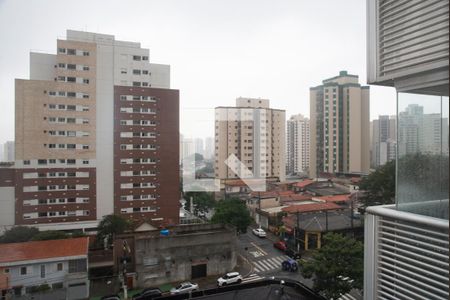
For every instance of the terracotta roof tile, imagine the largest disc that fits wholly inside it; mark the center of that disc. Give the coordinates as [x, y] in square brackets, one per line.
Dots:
[43, 249]
[304, 183]
[311, 207]
[334, 198]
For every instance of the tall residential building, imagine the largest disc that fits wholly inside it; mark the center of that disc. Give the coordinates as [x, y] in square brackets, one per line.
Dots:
[188, 146]
[255, 134]
[339, 139]
[297, 145]
[420, 132]
[406, 251]
[8, 151]
[199, 148]
[97, 130]
[209, 147]
[383, 140]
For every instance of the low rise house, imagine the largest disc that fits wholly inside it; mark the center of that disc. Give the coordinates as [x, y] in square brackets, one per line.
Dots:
[56, 266]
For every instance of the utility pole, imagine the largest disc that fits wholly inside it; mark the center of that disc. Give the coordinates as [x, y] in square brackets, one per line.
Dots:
[125, 259]
[297, 231]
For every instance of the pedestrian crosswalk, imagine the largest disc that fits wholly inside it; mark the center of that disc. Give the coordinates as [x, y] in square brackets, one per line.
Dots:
[268, 264]
[347, 297]
[251, 278]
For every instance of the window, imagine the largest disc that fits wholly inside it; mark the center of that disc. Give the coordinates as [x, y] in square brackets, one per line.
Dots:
[71, 94]
[23, 271]
[136, 57]
[145, 72]
[71, 146]
[123, 71]
[71, 79]
[85, 68]
[61, 50]
[136, 83]
[85, 81]
[42, 161]
[71, 52]
[42, 271]
[77, 265]
[71, 161]
[71, 66]
[85, 53]
[144, 57]
[26, 162]
[136, 72]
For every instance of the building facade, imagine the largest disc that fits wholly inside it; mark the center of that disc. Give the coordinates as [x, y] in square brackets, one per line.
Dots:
[339, 137]
[297, 145]
[407, 244]
[255, 134]
[8, 151]
[383, 140]
[97, 129]
[209, 148]
[160, 259]
[60, 265]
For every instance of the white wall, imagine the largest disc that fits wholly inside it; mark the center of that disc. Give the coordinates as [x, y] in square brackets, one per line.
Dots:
[42, 66]
[7, 211]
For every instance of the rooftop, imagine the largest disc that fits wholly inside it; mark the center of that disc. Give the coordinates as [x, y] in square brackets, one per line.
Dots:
[36, 250]
[311, 207]
[333, 198]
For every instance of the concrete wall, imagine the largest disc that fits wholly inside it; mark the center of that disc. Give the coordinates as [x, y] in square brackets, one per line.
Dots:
[160, 260]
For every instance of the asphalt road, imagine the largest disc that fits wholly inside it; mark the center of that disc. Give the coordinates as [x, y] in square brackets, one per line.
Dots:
[265, 261]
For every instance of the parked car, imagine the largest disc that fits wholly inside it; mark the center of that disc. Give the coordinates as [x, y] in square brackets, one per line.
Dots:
[293, 254]
[289, 265]
[184, 287]
[229, 278]
[110, 297]
[280, 245]
[259, 232]
[148, 294]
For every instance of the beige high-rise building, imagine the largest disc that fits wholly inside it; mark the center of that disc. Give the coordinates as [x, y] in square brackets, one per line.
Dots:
[255, 134]
[339, 112]
[97, 129]
[297, 145]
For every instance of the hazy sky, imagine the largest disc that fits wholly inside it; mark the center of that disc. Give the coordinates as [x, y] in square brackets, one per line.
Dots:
[218, 50]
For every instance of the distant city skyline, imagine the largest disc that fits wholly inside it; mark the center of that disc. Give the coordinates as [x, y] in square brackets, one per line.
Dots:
[217, 51]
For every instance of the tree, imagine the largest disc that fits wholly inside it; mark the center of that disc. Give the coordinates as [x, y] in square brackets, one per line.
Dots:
[232, 211]
[203, 202]
[19, 234]
[379, 186]
[339, 257]
[50, 235]
[110, 225]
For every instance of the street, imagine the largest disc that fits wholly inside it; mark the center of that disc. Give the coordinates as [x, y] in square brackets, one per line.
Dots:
[265, 261]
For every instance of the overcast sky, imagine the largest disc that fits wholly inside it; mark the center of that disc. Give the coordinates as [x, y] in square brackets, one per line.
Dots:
[218, 50]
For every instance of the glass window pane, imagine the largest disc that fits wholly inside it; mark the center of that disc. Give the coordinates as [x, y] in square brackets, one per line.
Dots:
[423, 150]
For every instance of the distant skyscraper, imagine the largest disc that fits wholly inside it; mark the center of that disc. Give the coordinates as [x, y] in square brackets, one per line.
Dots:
[199, 146]
[419, 132]
[209, 147]
[297, 145]
[383, 140]
[339, 140]
[188, 147]
[255, 134]
[8, 151]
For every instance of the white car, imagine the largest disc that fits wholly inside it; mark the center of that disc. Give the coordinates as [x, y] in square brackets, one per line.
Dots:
[229, 278]
[184, 287]
[259, 232]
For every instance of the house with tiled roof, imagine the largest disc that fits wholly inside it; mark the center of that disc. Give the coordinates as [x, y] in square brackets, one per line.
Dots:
[58, 266]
